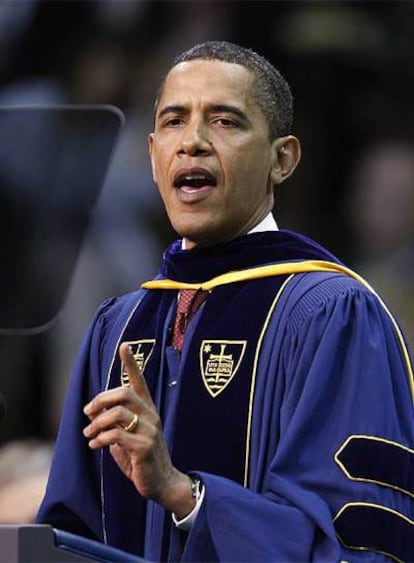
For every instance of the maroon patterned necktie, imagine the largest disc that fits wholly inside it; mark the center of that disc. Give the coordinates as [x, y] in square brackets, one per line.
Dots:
[189, 301]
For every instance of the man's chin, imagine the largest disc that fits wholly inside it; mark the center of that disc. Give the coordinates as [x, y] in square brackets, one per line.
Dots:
[195, 236]
[210, 239]
[200, 236]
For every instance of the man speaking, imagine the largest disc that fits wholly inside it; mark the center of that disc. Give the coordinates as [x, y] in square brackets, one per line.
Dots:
[254, 402]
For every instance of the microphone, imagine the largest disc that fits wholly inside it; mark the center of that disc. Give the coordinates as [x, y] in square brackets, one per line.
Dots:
[2, 407]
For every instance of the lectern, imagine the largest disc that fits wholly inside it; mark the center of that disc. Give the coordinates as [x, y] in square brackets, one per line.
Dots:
[44, 544]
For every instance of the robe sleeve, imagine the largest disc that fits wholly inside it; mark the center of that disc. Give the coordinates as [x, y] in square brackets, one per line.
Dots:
[72, 499]
[332, 477]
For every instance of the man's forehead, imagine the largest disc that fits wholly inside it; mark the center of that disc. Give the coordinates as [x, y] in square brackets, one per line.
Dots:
[216, 81]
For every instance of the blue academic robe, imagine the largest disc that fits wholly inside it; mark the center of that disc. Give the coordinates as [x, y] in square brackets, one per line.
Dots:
[326, 453]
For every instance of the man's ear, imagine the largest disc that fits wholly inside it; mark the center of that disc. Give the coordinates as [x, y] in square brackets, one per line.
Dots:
[151, 155]
[286, 153]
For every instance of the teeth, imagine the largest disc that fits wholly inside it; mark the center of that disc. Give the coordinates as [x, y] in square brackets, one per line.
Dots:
[195, 180]
[192, 178]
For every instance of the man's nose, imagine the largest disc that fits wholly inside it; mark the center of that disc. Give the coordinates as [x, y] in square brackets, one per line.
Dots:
[195, 140]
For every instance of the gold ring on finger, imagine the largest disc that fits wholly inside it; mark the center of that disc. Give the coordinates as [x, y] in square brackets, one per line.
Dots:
[131, 427]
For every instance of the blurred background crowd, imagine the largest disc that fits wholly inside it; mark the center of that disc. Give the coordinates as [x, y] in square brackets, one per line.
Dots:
[349, 64]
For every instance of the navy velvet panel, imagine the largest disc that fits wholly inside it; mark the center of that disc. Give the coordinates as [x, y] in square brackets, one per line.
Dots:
[376, 529]
[376, 460]
[146, 323]
[211, 431]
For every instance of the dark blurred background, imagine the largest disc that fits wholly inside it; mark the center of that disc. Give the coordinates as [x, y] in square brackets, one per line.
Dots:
[350, 68]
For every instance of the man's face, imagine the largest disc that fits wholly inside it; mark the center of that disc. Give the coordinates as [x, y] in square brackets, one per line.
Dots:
[210, 152]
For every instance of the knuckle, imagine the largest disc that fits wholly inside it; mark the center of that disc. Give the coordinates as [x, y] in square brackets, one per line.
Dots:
[98, 398]
[95, 426]
[116, 434]
[129, 394]
[92, 404]
[153, 431]
[157, 422]
[125, 394]
[118, 412]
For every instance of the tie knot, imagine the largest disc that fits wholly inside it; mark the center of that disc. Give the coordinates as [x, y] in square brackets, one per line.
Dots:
[189, 300]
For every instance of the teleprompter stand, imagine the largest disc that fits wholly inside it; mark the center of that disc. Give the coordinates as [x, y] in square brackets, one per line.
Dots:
[43, 544]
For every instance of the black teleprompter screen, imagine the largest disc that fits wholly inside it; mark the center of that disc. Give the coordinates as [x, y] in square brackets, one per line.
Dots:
[53, 162]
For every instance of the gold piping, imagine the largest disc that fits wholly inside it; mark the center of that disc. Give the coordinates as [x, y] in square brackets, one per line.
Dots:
[253, 382]
[374, 438]
[286, 268]
[379, 507]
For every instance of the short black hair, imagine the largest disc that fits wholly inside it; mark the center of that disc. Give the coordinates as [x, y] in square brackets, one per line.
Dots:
[272, 92]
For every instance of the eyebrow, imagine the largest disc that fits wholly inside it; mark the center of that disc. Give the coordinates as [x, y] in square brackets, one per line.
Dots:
[226, 108]
[172, 109]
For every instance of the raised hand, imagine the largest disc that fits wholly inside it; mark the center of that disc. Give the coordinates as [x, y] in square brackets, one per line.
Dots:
[126, 420]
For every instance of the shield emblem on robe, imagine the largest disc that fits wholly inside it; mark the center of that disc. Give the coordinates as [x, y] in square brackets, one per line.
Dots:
[142, 351]
[219, 363]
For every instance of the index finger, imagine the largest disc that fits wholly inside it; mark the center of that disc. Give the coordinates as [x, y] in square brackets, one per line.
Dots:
[135, 377]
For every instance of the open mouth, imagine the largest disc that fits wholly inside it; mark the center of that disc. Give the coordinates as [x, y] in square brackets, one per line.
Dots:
[194, 179]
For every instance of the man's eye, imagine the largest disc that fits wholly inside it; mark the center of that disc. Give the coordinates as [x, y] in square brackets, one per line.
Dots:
[226, 122]
[173, 122]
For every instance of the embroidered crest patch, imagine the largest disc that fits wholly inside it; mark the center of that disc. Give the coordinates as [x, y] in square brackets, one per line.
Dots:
[142, 351]
[219, 362]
